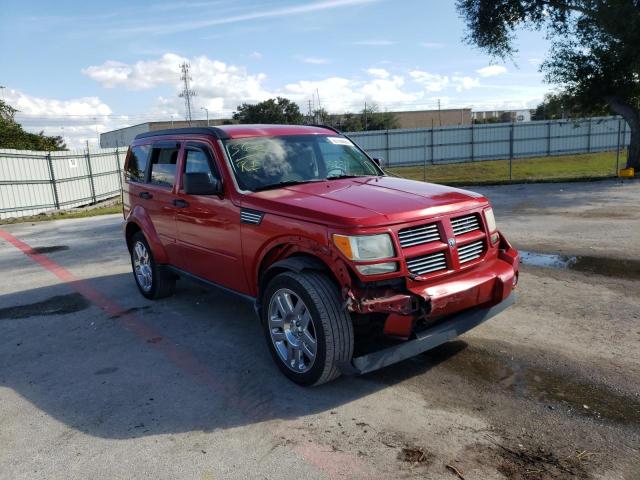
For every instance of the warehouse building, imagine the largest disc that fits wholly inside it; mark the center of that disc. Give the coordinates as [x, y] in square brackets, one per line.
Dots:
[407, 119]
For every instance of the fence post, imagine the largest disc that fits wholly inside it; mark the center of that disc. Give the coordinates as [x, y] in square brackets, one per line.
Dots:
[548, 138]
[387, 148]
[424, 163]
[54, 186]
[618, 149]
[589, 137]
[118, 167]
[511, 152]
[91, 184]
[432, 129]
[472, 149]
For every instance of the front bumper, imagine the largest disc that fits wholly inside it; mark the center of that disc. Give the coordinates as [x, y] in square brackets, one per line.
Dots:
[443, 332]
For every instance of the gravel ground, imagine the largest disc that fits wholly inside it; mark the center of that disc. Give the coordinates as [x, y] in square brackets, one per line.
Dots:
[97, 382]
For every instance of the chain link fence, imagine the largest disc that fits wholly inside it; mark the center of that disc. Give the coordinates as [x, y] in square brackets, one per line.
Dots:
[32, 182]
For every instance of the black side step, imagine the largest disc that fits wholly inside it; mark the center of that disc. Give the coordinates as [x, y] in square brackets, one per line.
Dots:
[449, 329]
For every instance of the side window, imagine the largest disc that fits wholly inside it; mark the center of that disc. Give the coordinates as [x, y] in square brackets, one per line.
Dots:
[196, 161]
[163, 166]
[137, 164]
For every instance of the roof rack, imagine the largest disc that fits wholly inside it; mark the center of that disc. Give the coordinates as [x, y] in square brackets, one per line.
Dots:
[216, 132]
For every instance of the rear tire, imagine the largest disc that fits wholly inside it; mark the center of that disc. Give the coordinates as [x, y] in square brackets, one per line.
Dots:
[298, 309]
[152, 280]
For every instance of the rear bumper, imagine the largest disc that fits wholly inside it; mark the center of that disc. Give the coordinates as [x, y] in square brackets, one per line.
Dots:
[443, 332]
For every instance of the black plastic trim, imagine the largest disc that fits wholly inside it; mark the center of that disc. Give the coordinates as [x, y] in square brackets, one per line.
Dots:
[195, 278]
[216, 132]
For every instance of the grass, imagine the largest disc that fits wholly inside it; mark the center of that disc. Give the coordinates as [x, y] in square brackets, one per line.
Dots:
[64, 214]
[587, 166]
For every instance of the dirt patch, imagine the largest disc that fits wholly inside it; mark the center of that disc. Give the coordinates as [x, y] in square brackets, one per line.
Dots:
[51, 249]
[611, 267]
[575, 394]
[58, 305]
[521, 462]
[413, 454]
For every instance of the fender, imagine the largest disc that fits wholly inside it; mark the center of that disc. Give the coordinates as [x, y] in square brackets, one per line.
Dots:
[140, 217]
[287, 246]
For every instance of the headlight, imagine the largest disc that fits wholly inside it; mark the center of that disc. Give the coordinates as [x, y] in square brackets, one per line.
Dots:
[491, 220]
[365, 247]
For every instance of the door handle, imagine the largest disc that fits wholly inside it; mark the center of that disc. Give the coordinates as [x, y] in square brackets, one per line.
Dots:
[146, 195]
[178, 202]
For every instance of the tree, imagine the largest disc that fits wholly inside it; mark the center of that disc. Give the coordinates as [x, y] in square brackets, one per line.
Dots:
[12, 135]
[594, 56]
[370, 118]
[274, 110]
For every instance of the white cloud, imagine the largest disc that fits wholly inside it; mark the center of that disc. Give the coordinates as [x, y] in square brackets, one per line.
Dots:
[429, 81]
[431, 45]
[492, 70]
[465, 83]
[216, 83]
[375, 43]
[315, 60]
[378, 72]
[255, 55]
[75, 119]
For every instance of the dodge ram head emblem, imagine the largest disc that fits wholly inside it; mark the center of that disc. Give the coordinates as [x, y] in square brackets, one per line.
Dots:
[452, 242]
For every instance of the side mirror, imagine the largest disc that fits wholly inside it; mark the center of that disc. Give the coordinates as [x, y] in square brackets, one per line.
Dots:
[199, 183]
[378, 161]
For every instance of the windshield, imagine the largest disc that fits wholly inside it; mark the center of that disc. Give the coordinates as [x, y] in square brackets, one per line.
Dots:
[260, 163]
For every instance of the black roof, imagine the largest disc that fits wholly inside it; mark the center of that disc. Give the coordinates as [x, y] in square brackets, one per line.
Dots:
[216, 132]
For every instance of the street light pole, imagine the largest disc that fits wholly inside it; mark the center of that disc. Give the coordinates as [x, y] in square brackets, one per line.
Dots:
[207, 111]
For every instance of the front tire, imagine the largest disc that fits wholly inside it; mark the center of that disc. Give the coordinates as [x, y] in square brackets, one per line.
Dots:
[308, 331]
[152, 281]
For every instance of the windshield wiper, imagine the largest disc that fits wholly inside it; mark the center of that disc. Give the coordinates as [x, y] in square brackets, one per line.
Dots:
[283, 184]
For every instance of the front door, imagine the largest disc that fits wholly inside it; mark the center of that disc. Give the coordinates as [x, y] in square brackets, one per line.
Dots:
[209, 226]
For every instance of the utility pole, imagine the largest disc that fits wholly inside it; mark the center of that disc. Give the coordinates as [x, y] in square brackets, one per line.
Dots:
[187, 92]
[439, 116]
[318, 119]
[365, 116]
[206, 110]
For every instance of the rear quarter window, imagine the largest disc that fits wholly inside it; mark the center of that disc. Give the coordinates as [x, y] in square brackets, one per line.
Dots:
[137, 164]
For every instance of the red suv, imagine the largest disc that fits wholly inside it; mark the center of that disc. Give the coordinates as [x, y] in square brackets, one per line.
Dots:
[330, 250]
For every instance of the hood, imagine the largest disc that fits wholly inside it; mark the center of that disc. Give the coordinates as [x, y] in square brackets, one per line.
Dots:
[364, 201]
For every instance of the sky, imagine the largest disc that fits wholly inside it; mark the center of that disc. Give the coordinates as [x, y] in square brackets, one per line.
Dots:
[77, 68]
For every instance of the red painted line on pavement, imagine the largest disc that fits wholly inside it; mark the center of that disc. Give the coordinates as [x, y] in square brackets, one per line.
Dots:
[342, 466]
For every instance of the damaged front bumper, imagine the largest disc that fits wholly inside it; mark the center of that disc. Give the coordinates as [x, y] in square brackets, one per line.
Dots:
[428, 314]
[443, 332]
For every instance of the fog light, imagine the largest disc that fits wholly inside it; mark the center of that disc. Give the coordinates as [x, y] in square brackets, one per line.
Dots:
[378, 268]
[495, 237]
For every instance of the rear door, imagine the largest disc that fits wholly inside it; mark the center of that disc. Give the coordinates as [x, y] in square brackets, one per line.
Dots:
[209, 226]
[158, 196]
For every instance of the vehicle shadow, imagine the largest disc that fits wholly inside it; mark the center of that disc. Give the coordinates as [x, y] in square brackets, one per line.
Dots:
[195, 361]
